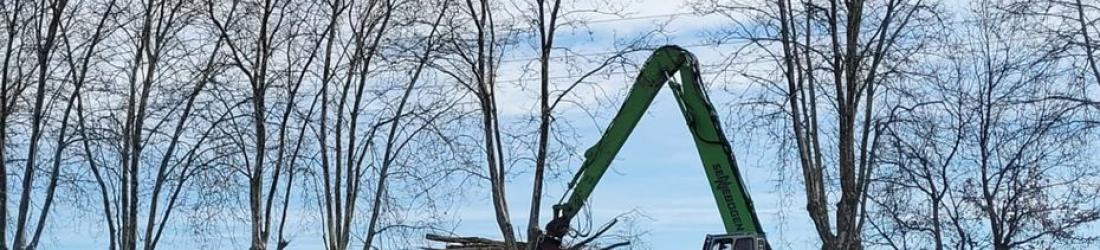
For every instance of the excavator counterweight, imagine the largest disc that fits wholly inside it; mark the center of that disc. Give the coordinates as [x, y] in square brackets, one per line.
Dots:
[743, 231]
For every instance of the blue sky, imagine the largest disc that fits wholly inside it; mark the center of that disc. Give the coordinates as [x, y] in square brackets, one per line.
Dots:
[657, 178]
[658, 175]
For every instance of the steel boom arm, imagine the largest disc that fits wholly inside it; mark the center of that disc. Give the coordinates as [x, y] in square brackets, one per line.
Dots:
[725, 181]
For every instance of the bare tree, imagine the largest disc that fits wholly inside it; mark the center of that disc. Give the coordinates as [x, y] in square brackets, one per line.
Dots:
[253, 39]
[79, 64]
[12, 84]
[480, 32]
[994, 145]
[548, 14]
[832, 57]
[290, 149]
[51, 14]
[155, 112]
[162, 93]
[394, 147]
[1088, 22]
[547, 19]
[478, 56]
[161, 22]
[342, 174]
[364, 111]
[1071, 24]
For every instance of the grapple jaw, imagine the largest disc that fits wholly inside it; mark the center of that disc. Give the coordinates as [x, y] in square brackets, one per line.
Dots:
[555, 231]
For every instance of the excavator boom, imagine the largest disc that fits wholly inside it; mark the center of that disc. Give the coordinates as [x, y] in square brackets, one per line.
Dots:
[725, 180]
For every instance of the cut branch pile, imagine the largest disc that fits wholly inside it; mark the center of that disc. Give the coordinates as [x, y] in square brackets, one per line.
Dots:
[470, 243]
[478, 243]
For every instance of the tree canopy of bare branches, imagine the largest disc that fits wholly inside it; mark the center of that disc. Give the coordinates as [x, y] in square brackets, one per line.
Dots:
[262, 124]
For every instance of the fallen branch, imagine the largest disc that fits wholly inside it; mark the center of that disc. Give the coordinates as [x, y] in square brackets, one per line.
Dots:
[470, 243]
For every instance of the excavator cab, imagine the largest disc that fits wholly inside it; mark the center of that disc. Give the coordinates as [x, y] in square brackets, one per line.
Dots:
[735, 242]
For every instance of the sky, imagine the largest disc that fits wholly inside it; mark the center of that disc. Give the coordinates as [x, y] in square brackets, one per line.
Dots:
[657, 178]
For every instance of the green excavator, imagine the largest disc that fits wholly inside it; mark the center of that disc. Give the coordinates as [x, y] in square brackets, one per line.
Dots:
[743, 231]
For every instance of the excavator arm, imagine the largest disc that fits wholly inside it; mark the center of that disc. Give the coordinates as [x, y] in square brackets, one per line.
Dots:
[733, 201]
